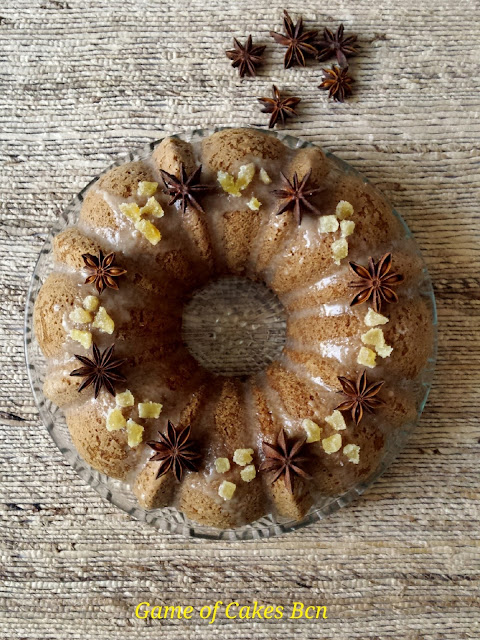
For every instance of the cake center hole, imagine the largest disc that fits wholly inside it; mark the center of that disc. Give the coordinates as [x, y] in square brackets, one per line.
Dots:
[234, 326]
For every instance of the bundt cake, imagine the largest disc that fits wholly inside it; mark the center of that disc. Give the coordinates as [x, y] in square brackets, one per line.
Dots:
[227, 449]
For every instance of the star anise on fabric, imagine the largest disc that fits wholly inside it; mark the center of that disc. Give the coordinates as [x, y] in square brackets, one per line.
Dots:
[280, 108]
[375, 282]
[186, 188]
[101, 370]
[338, 83]
[361, 396]
[336, 44]
[103, 270]
[246, 57]
[175, 452]
[295, 197]
[284, 459]
[298, 41]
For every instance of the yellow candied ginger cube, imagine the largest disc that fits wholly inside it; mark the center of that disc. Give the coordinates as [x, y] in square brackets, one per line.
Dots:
[222, 465]
[242, 456]
[245, 175]
[375, 338]
[254, 204]
[328, 224]
[347, 227]
[248, 473]
[125, 399]
[343, 210]
[83, 337]
[264, 177]
[146, 188]
[226, 490]
[116, 420]
[149, 409]
[372, 318]
[312, 430]
[103, 321]
[134, 433]
[131, 210]
[90, 303]
[352, 452]
[332, 444]
[336, 420]
[149, 230]
[367, 358]
[80, 316]
[228, 183]
[152, 208]
[339, 250]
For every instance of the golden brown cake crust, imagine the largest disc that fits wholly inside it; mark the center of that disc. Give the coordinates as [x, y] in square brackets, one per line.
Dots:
[105, 451]
[69, 245]
[225, 150]
[55, 299]
[123, 180]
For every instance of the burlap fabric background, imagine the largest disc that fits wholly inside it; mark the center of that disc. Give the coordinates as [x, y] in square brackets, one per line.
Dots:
[81, 81]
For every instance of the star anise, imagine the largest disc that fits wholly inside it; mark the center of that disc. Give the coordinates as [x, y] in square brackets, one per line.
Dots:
[279, 107]
[361, 396]
[174, 451]
[338, 83]
[376, 282]
[335, 44]
[284, 459]
[299, 43]
[246, 57]
[100, 370]
[186, 188]
[103, 270]
[295, 196]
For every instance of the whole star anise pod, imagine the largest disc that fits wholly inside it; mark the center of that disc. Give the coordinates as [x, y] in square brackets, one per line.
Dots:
[335, 44]
[338, 83]
[103, 270]
[280, 108]
[361, 396]
[299, 43]
[375, 282]
[185, 189]
[99, 370]
[284, 459]
[174, 451]
[246, 57]
[295, 196]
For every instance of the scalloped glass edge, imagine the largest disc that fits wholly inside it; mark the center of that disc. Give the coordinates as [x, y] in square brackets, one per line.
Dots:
[170, 519]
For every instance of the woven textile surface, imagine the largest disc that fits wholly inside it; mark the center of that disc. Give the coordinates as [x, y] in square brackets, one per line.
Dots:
[82, 81]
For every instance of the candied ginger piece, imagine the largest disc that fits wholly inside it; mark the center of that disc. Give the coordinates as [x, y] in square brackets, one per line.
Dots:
[134, 433]
[367, 357]
[80, 316]
[222, 465]
[248, 473]
[149, 409]
[146, 188]
[116, 420]
[226, 490]
[312, 430]
[352, 452]
[103, 321]
[343, 210]
[83, 337]
[332, 444]
[336, 420]
[242, 456]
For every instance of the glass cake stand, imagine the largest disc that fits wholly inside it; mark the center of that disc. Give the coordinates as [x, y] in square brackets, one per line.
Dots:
[119, 494]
